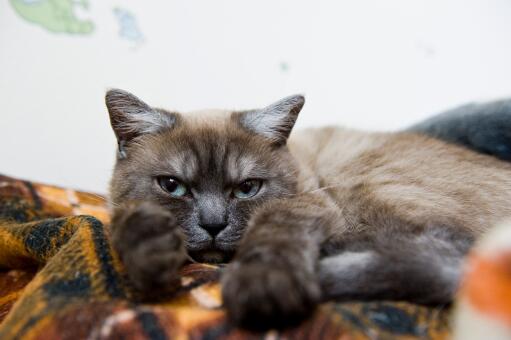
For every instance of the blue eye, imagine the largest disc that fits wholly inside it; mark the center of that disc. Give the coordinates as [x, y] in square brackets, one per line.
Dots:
[172, 186]
[247, 189]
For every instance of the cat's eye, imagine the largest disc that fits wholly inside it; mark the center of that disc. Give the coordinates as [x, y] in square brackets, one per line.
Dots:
[247, 189]
[172, 186]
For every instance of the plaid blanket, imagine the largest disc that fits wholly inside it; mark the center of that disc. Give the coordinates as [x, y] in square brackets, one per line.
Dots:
[59, 279]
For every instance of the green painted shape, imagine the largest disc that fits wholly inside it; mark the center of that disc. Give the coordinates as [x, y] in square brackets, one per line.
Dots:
[54, 15]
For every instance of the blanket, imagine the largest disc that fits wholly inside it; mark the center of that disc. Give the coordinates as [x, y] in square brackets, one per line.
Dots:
[60, 279]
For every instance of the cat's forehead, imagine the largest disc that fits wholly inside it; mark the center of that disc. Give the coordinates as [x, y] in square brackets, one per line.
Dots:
[209, 145]
[207, 118]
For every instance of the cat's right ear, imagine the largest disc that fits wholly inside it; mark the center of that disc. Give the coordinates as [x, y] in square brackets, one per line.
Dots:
[130, 117]
[275, 121]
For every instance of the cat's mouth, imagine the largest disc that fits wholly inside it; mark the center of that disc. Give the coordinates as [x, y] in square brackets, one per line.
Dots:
[211, 256]
[211, 251]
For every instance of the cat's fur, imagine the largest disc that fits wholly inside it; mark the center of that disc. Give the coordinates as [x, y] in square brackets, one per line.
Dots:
[341, 215]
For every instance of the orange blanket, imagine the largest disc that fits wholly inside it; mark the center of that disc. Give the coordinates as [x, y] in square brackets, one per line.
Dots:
[60, 279]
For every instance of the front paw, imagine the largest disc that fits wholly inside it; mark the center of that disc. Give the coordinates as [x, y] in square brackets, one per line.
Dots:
[151, 247]
[261, 296]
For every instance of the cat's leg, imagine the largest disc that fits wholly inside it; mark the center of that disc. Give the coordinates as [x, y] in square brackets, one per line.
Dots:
[273, 280]
[422, 267]
[150, 245]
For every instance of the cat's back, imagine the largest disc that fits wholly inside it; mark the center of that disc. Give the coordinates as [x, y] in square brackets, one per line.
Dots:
[414, 175]
[324, 150]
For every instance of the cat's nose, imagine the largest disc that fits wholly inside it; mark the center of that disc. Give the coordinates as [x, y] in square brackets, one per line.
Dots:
[214, 228]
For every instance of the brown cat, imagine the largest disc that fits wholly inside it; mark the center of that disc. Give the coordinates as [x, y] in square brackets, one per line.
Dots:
[328, 214]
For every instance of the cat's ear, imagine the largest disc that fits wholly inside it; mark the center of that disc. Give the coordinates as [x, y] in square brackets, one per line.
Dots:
[275, 121]
[130, 117]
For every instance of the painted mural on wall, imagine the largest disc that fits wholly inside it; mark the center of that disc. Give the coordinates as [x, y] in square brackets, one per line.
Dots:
[59, 17]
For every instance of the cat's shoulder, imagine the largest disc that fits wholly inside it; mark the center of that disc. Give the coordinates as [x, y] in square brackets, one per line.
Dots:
[327, 140]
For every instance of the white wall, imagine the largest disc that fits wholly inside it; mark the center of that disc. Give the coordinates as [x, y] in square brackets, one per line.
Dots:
[364, 63]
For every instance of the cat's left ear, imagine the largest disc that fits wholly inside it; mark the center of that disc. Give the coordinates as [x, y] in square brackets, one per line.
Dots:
[275, 121]
[130, 117]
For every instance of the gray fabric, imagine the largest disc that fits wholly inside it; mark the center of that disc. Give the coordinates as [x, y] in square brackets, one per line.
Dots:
[484, 127]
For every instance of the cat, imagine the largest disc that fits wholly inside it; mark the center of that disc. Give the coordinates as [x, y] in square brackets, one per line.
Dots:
[322, 214]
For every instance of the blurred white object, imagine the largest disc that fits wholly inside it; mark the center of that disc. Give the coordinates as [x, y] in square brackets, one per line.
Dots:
[483, 307]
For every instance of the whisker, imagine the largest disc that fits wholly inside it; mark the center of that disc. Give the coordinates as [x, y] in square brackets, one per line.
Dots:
[324, 188]
[190, 258]
[105, 199]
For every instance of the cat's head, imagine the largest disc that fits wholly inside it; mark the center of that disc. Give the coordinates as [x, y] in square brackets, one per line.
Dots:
[210, 169]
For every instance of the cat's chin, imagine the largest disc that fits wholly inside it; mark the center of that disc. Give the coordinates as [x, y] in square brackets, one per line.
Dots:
[211, 256]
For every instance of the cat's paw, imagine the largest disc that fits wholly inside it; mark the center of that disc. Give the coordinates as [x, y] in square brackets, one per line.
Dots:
[262, 296]
[151, 247]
